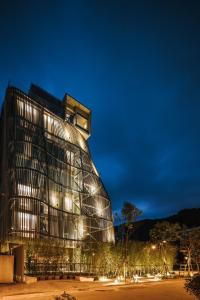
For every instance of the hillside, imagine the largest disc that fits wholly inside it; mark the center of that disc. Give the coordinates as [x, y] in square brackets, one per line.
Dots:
[141, 229]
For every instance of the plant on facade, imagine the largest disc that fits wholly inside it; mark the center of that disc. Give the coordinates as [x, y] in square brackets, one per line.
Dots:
[192, 286]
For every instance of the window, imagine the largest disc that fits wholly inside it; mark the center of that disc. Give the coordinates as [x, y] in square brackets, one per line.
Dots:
[26, 190]
[82, 122]
[26, 221]
[68, 202]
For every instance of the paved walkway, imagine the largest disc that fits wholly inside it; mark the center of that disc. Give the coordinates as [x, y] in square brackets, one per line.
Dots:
[47, 290]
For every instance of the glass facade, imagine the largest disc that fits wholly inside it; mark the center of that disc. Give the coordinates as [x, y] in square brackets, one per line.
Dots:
[50, 187]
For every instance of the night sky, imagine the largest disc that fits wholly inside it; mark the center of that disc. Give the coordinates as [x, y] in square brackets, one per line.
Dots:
[136, 64]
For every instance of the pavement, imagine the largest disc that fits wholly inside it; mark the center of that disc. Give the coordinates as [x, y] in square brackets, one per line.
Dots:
[47, 290]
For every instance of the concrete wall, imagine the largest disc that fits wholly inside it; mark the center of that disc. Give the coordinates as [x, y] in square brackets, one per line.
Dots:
[19, 263]
[6, 268]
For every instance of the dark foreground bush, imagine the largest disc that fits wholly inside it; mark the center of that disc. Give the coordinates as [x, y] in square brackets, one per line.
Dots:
[65, 296]
[192, 286]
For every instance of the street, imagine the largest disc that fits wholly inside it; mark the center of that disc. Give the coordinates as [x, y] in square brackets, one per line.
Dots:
[47, 290]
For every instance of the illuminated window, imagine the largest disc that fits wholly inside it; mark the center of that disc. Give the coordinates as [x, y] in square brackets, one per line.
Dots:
[25, 204]
[71, 202]
[68, 203]
[55, 127]
[54, 199]
[25, 190]
[54, 226]
[27, 149]
[82, 122]
[80, 229]
[26, 221]
[28, 111]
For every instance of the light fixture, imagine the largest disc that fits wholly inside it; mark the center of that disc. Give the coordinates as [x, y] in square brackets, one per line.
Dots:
[93, 189]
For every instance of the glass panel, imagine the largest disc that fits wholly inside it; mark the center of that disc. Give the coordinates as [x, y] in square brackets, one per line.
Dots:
[82, 122]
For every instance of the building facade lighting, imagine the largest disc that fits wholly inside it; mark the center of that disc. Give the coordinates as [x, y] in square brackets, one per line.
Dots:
[50, 184]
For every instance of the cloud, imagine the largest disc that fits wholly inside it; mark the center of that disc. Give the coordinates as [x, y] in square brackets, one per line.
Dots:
[137, 66]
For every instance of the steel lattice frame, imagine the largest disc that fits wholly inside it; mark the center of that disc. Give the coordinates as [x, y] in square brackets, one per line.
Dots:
[49, 185]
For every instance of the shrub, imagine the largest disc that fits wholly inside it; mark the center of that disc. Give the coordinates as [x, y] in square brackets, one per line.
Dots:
[65, 296]
[192, 286]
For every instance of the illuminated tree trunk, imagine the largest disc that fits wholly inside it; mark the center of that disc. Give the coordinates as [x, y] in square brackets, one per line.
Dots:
[189, 262]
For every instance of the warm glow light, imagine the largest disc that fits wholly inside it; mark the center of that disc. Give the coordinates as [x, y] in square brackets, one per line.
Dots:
[95, 170]
[110, 234]
[20, 105]
[68, 203]
[118, 280]
[156, 279]
[67, 134]
[81, 231]
[54, 199]
[103, 279]
[25, 190]
[28, 109]
[93, 189]
[65, 131]
[26, 221]
[153, 247]
[82, 142]
[99, 209]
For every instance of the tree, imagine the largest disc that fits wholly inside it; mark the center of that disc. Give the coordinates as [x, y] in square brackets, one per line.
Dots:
[129, 214]
[46, 253]
[192, 286]
[190, 245]
[165, 231]
[162, 234]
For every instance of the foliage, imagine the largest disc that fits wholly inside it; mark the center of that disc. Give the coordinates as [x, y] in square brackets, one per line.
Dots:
[163, 234]
[192, 286]
[105, 258]
[144, 258]
[129, 213]
[190, 245]
[141, 258]
[165, 231]
[65, 296]
[48, 253]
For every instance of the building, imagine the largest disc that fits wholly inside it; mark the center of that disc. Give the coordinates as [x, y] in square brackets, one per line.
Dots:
[50, 188]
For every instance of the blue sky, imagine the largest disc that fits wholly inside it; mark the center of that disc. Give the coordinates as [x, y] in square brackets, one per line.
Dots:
[136, 64]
